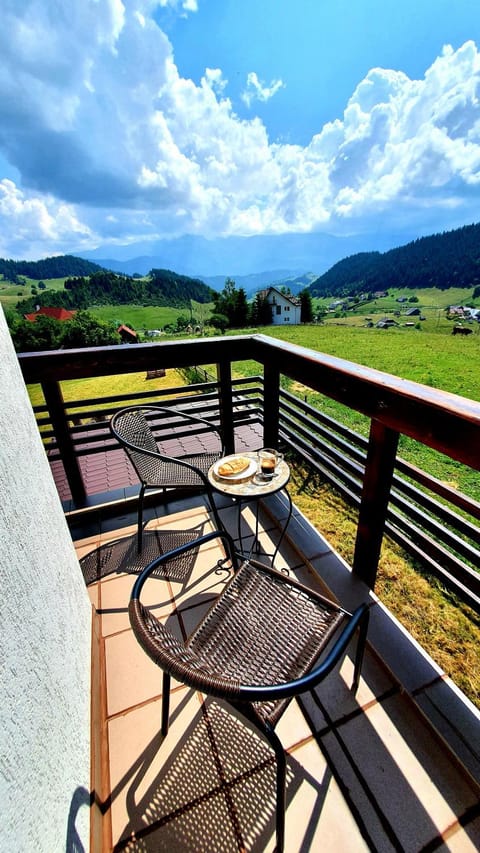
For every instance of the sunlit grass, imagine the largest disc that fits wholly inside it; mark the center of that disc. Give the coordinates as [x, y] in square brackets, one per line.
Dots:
[106, 386]
[446, 628]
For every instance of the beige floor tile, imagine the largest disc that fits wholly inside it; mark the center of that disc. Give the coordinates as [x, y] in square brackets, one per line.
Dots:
[115, 596]
[196, 519]
[411, 779]
[335, 694]
[94, 594]
[206, 580]
[83, 546]
[318, 817]
[140, 756]
[462, 839]
[132, 677]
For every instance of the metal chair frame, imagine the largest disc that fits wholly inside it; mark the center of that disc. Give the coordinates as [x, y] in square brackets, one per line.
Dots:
[136, 452]
[260, 703]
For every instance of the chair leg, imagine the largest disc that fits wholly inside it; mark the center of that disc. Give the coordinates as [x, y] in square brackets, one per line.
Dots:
[281, 771]
[214, 509]
[140, 519]
[281, 778]
[165, 703]
[361, 642]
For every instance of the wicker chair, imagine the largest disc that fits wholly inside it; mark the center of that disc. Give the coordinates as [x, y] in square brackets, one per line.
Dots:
[155, 469]
[257, 647]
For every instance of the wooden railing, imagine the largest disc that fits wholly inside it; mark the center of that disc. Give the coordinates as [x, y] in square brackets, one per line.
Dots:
[443, 421]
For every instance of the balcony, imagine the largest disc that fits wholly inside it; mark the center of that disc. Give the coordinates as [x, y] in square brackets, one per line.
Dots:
[397, 767]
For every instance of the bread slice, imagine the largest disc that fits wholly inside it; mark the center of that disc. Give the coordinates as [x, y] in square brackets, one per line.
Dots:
[233, 466]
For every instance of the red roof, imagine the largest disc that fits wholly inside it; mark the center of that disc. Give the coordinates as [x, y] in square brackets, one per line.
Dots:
[127, 331]
[54, 313]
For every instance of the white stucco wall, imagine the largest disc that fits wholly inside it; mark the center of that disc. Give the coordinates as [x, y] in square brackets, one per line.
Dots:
[45, 622]
[290, 314]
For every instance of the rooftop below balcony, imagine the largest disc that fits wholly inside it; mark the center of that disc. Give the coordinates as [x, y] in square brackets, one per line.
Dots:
[370, 772]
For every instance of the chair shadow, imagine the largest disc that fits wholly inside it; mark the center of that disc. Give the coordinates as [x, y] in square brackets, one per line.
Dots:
[121, 556]
[214, 792]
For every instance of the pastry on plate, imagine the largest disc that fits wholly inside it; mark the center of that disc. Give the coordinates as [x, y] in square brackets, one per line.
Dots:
[233, 466]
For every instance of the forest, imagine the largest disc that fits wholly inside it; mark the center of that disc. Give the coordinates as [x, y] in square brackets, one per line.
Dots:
[451, 259]
[56, 267]
[160, 287]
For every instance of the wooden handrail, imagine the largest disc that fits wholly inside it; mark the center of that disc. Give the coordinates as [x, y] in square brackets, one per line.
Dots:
[445, 422]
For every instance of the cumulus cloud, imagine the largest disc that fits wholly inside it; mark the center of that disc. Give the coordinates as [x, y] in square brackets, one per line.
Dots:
[111, 144]
[257, 91]
[37, 222]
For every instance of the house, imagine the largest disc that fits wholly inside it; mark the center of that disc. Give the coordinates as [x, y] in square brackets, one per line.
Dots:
[412, 312]
[402, 299]
[386, 323]
[285, 309]
[54, 313]
[127, 335]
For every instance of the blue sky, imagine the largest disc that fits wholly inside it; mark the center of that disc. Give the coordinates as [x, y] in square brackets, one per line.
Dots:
[123, 123]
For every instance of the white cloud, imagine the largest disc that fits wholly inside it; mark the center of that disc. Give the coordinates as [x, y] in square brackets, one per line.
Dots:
[111, 144]
[257, 91]
[37, 222]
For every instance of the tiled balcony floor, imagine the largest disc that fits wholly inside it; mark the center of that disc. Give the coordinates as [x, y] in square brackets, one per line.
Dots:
[365, 773]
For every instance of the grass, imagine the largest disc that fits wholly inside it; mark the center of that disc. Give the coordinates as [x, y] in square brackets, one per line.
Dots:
[103, 386]
[10, 293]
[446, 628]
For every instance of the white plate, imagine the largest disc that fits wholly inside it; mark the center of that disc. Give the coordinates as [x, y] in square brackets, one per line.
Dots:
[242, 475]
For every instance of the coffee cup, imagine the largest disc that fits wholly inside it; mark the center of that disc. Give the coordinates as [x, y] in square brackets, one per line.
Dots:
[268, 460]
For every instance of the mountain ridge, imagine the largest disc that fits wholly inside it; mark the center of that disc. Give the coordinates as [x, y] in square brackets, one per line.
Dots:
[444, 260]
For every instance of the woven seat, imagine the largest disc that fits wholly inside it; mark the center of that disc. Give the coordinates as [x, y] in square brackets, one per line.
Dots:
[136, 429]
[259, 645]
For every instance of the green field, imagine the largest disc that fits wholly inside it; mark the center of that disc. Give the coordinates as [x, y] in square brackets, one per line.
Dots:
[142, 317]
[439, 360]
[10, 293]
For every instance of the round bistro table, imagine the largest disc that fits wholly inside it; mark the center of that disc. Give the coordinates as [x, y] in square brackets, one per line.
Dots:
[253, 489]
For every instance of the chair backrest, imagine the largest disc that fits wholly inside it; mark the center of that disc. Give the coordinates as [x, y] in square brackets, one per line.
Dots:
[131, 427]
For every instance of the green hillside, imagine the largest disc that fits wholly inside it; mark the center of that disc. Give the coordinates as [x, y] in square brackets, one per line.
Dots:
[442, 261]
[61, 266]
[161, 287]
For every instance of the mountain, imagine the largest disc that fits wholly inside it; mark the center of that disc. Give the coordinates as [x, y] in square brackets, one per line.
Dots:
[233, 257]
[57, 267]
[251, 284]
[451, 259]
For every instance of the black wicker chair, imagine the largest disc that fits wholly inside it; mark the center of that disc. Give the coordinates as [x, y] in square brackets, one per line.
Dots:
[258, 646]
[155, 469]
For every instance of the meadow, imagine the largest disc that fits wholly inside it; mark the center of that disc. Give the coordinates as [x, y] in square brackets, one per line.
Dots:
[429, 354]
[436, 359]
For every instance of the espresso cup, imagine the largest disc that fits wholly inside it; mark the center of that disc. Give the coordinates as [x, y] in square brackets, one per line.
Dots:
[268, 460]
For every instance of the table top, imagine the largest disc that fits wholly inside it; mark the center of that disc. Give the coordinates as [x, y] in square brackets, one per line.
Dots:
[253, 487]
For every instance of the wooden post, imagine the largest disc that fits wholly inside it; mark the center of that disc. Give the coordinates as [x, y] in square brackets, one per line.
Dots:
[271, 404]
[55, 403]
[224, 378]
[377, 482]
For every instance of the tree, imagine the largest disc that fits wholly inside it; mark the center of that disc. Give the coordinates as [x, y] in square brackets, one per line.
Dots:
[48, 334]
[86, 331]
[219, 321]
[232, 304]
[44, 334]
[261, 314]
[306, 310]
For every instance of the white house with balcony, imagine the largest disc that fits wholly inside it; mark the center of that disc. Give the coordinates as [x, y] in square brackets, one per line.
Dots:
[285, 309]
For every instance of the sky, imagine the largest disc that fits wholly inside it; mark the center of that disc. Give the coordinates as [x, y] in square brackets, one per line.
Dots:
[124, 122]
